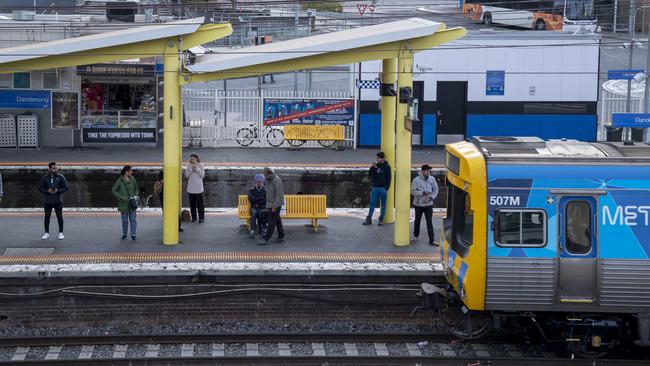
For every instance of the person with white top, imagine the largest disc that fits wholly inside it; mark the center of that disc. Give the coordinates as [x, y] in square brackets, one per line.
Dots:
[195, 172]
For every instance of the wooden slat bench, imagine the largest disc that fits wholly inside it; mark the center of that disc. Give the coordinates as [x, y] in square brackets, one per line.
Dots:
[297, 206]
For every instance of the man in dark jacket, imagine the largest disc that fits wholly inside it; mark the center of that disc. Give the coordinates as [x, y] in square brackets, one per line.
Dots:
[52, 186]
[257, 198]
[274, 203]
[380, 176]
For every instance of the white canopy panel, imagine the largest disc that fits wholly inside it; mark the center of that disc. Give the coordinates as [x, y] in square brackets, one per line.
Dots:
[100, 40]
[315, 45]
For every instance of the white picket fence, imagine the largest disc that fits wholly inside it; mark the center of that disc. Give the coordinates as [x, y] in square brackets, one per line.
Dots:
[214, 117]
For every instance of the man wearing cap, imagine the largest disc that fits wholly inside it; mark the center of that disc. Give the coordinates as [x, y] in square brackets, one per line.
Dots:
[274, 203]
[380, 176]
[424, 190]
[257, 198]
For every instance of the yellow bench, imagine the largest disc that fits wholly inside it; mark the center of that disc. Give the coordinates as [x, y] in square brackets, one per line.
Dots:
[326, 135]
[298, 206]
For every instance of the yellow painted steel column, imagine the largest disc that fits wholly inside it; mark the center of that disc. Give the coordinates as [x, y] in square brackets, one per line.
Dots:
[403, 141]
[388, 77]
[171, 146]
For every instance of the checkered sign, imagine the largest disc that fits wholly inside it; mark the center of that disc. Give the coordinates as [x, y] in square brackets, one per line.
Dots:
[368, 84]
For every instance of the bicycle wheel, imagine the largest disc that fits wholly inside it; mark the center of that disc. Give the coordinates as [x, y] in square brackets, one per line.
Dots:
[275, 137]
[245, 136]
[296, 143]
[327, 143]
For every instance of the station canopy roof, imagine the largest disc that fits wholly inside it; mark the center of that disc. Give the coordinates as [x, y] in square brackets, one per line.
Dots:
[365, 43]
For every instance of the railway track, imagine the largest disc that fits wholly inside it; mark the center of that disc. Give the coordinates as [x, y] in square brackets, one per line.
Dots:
[280, 349]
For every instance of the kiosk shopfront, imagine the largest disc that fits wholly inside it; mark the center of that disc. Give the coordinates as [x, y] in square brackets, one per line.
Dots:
[119, 103]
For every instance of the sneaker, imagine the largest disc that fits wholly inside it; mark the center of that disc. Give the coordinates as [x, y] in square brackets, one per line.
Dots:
[61, 237]
[379, 223]
[133, 237]
[251, 234]
[180, 230]
[45, 236]
[201, 221]
[123, 236]
[435, 243]
[367, 222]
[263, 242]
[414, 239]
[193, 220]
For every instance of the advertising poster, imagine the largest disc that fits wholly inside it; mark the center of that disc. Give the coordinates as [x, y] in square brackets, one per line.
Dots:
[119, 135]
[65, 110]
[309, 112]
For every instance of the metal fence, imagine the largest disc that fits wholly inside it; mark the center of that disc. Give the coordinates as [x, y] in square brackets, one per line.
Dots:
[231, 118]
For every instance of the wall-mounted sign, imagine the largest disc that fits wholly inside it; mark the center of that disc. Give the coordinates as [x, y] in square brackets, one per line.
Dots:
[130, 70]
[119, 135]
[65, 110]
[25, 99]
[635, 120]
[622, 74]
[495, 82]
[309, 111]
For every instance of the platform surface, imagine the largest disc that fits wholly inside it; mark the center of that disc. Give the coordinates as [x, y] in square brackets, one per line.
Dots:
[98, 156]
[92, 244]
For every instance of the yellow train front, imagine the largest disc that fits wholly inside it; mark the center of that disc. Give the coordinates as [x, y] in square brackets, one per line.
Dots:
[553, 233]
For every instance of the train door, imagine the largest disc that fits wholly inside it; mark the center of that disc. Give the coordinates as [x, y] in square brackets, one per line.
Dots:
[452, 116]
[578, 249]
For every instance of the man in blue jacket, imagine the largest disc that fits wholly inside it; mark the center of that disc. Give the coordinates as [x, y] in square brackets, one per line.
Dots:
[380, 176]
[52, 186]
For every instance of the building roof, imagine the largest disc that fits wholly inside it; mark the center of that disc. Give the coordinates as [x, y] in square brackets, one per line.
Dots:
[101, 40]
[315, 45]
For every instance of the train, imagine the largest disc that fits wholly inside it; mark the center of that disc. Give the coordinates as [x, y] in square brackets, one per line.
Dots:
[551, 234]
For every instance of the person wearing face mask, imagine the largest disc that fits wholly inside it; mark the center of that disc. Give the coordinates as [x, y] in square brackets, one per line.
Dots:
[195, 172]
[424, 190]
[380, 176]
[52, 186]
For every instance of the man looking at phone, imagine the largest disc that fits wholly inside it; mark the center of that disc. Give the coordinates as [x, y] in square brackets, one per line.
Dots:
[380, 176]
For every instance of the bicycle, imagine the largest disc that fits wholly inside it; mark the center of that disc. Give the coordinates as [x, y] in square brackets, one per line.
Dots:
[323, 143]
[246, 135]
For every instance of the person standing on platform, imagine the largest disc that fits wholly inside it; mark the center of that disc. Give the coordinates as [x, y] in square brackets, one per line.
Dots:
[195, 172]
[424, 190]
[380, 176]
[52, 186]
[159, 190]
[274, 203]
[125, 190]
[257, 198]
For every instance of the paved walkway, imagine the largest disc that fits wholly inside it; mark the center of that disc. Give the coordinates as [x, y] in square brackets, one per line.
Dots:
[94, 236]
[120, 155]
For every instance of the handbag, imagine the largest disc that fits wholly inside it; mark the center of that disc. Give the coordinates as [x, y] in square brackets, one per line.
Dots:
[134, 201]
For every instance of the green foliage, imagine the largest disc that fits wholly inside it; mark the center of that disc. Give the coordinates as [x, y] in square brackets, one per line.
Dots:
[331, 6]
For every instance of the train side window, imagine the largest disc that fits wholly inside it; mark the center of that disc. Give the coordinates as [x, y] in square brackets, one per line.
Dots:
[462, 220]
[578, 227]
[520, 228]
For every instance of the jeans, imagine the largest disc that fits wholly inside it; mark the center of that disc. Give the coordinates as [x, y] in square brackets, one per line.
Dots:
[58, 210]
[428, 213]
[196, 204]
[126, 218]
[274, 220]
[377, 193]
[257, 224]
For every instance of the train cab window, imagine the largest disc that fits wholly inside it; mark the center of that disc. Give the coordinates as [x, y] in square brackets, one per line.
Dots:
[461, 231]
[578, 227]
[522, 228]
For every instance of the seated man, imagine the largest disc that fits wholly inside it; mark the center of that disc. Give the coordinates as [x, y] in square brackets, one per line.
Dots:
[257, 198]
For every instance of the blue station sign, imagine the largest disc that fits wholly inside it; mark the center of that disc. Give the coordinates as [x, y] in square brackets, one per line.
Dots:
[495, 82]
[25, 99]
[634, 120]
[622, 74]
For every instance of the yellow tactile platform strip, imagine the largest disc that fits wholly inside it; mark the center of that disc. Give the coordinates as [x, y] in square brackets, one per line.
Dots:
[208, 163]
[223, 257]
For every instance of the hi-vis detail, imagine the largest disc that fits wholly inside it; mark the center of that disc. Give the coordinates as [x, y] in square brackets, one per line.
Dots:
[626, 215]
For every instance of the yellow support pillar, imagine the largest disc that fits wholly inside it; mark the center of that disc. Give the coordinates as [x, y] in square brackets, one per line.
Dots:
[388, 78]
[403, 141]
[171, 146]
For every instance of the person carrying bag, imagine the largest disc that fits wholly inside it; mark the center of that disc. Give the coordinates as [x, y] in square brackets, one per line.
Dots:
[125, 190]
